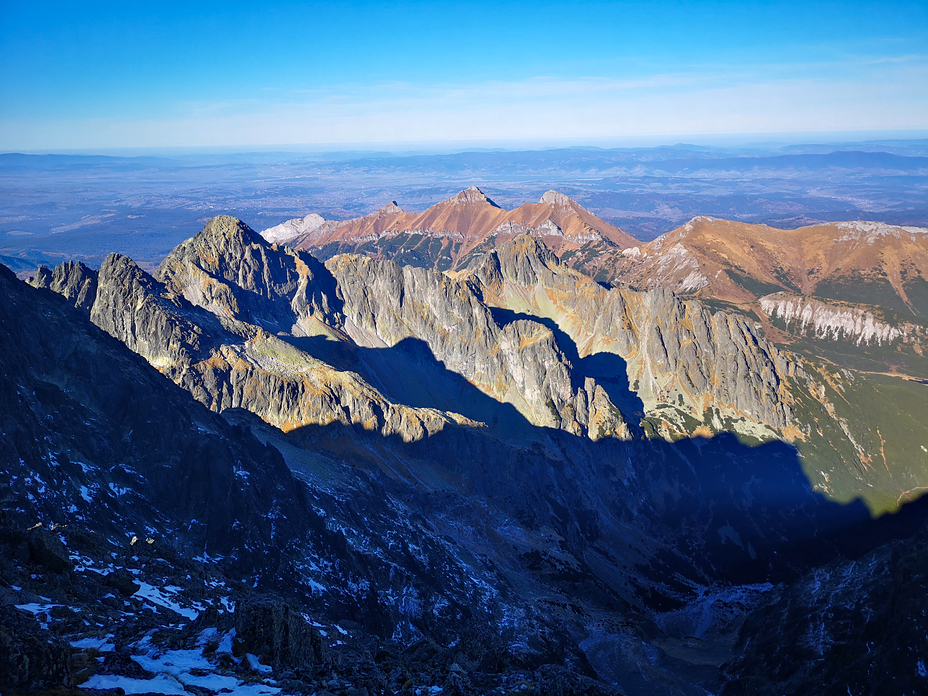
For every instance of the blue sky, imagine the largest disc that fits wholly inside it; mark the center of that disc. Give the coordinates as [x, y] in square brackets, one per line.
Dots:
[133, 74]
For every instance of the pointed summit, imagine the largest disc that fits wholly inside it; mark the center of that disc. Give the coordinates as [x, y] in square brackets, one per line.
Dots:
[225, 229]
[390, 208]
[557, 198]
[471, 195]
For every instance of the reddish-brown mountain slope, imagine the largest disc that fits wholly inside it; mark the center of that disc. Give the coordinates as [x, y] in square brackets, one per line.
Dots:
[854, 293]
[858, 262]
[453, 230]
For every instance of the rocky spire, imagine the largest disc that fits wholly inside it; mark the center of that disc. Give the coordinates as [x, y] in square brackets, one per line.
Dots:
[390, 208]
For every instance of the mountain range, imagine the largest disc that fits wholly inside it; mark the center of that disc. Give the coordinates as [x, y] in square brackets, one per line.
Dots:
[451, 232]
[855, 293]
[485, 450]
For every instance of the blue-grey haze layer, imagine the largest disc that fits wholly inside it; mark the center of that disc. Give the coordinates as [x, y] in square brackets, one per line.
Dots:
[56, 207]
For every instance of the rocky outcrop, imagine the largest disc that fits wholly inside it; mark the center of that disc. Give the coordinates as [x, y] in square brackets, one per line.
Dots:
[278, 635]
[72, 279]
[29, 660]
[836, 321]
[849, 627]
[48, 551]
[230, 271]
[519, 363]
[677, 352]
[152, 321]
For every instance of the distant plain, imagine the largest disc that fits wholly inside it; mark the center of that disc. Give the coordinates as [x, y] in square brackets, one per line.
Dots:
[59, 207]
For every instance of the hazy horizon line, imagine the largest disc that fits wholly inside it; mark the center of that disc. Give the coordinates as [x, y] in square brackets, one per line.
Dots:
[435, 147]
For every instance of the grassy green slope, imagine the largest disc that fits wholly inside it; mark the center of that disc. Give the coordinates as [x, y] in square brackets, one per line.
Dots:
[869, 438]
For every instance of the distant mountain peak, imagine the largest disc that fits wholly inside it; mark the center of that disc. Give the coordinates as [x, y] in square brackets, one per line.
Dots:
[471, 195]
[557, 198]
[390, 208]
[291, 229]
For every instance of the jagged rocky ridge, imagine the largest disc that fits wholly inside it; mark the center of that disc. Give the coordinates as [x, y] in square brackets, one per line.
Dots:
[674, 350]
[179, 536]
[596, 530]
[346, 342]
[226, 362]
[452, 232]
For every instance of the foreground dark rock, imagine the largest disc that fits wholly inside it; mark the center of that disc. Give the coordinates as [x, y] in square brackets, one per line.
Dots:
[851, 627]
[28, 659]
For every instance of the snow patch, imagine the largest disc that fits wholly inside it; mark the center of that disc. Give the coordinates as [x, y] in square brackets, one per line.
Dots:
[162, 598]
[870, 232]
[101, 644]
[162, 684]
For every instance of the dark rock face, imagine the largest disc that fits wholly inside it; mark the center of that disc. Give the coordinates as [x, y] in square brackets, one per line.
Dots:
[46, 550]
[72, 279]
[28, 659]
[278, 635]
[852, 627]
[123, 582]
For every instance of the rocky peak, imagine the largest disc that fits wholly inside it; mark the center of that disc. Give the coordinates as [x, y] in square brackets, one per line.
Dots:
[226, 230]
[72, 279]
[390, 208]
[233, 272]
[291, 229]
[557, 198]
[518, 259]
[471, 195]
